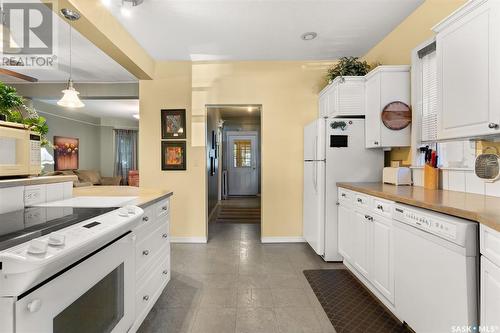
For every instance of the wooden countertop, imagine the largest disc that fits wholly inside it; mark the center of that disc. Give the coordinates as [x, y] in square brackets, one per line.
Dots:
[36, 180]
[480, 208]
[145, 196]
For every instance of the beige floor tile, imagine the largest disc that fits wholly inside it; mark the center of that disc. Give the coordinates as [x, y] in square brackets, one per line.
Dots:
[218, 297]
[215, 320]
[256, 320]
[290, 297]
[253, 297]
[297, 320]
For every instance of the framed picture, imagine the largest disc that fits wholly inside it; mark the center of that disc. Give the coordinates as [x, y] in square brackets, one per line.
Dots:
[173, 124]
[173, 155]
[65, 153]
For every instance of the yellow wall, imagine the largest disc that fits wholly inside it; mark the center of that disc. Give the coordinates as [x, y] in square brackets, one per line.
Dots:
[396, 47]
[171, 89]
[288, 93]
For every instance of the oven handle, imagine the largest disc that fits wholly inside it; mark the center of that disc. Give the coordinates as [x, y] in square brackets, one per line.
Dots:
[76, 263]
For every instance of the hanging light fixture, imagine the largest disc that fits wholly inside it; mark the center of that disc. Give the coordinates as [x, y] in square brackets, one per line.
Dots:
[70, 97]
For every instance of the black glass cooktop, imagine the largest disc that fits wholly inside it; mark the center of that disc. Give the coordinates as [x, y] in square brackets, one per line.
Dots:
[23, 225]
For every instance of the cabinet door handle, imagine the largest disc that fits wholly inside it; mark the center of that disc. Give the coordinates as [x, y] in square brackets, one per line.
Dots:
[165, 272]
[145, 218]
[145, 252]
[380, 207]
[343, 195]
[493, 125]
[375, 143]
[360, 200]
[164, 235]
[145, 297]
[164, 208]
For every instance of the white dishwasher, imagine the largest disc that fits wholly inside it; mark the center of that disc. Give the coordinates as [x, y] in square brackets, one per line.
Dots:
[436, 270]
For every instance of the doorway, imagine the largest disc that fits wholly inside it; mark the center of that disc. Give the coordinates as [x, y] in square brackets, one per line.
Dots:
[233, 168]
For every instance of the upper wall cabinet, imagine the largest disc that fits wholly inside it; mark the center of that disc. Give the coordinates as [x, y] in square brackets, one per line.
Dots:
[384, 85]
[343, 97]
[468, 71]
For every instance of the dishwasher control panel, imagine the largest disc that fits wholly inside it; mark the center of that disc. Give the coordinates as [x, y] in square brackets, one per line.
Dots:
[439, 224]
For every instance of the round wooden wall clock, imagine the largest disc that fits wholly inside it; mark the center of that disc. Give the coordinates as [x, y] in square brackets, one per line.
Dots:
[396, 115]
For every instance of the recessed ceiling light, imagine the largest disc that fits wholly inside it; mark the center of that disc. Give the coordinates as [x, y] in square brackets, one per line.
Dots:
[136, 116]
[308, 35]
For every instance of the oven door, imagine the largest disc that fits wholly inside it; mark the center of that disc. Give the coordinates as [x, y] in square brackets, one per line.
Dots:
[94, 296]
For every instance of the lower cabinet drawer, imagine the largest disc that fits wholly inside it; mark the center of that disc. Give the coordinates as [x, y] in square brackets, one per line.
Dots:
[162, 207]
[150, 289]
[149, 247]
[382, 207]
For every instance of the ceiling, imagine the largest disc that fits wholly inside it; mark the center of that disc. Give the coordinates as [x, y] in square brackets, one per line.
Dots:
[104, 108]
[90, 64]
[260, 30]
[238, 112]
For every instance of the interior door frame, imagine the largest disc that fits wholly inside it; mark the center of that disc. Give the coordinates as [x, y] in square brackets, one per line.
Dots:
[257, 152]
[261, 165]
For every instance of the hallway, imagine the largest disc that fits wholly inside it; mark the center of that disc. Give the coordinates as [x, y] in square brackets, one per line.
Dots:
[234, 283]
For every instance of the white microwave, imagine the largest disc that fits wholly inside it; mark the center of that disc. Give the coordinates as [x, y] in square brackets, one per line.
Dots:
[20, 150]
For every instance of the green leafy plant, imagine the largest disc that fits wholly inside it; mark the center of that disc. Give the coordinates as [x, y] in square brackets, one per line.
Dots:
[14, 109]
[348, 66]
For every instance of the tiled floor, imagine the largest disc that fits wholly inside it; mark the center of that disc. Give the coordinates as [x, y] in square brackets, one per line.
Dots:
[236, 284]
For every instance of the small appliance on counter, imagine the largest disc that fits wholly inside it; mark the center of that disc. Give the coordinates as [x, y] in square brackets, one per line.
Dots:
[397, 176]
[20, 150]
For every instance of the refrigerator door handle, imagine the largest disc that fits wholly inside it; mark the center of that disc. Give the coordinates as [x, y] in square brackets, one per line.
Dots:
[315, 177]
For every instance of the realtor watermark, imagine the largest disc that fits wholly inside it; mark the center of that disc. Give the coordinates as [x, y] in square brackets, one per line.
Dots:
[29, 34]
[475, 329]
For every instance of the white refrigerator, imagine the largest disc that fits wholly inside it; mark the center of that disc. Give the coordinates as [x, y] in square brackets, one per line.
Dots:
[334, 151]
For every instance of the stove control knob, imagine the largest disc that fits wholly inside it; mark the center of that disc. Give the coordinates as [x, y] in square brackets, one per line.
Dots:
[34, 305]
[38, 246]
[130, 210]
[57, 239]
[123, 212]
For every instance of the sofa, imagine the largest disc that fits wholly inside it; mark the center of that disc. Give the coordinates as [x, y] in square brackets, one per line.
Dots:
[90, 178]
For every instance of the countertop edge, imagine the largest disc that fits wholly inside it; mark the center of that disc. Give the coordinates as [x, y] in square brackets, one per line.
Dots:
[453, 211]
[155, 200]
[42, 180]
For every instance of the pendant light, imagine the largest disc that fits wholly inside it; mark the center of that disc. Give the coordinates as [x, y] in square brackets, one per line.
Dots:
[70, 97]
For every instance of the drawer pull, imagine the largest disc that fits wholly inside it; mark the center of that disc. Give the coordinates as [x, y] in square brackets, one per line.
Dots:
[165, 272]
[492, 125]
[164, 208]
[146, 298]
[380, 207]
[164, 235]
[145, 218]
[145, 252]
[343, 195]
[360, 200]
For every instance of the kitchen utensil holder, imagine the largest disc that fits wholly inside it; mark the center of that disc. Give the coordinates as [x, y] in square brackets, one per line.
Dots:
[431, 177]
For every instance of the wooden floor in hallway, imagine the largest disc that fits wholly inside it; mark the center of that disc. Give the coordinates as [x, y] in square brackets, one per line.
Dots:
[239, 210]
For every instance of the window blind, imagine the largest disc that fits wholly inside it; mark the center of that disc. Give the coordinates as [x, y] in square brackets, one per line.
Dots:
[429, 97]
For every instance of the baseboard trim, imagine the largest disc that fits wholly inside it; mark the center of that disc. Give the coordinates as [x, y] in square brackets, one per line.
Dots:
[188, 239]
[283, 240]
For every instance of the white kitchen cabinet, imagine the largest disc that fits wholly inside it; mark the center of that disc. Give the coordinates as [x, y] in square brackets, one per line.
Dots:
[382, 258]
[468, 65]
[346, 232]
[324, 98]
[490, 294]
[385, 84]
[361, 240]
[343, 97]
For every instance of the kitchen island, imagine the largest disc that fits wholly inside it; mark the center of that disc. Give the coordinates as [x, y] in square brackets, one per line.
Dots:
[145, 196]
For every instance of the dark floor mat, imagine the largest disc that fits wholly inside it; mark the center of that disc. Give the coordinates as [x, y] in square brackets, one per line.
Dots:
[349, 306]
[238, 215]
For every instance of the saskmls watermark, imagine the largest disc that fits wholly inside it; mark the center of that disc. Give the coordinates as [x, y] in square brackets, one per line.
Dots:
[29, 34]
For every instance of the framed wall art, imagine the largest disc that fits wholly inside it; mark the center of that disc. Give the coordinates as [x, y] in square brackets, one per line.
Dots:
[65, 153]
[173, 124]
[173, 155]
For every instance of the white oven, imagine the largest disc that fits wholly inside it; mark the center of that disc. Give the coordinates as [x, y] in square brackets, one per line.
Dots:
[94, 294]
